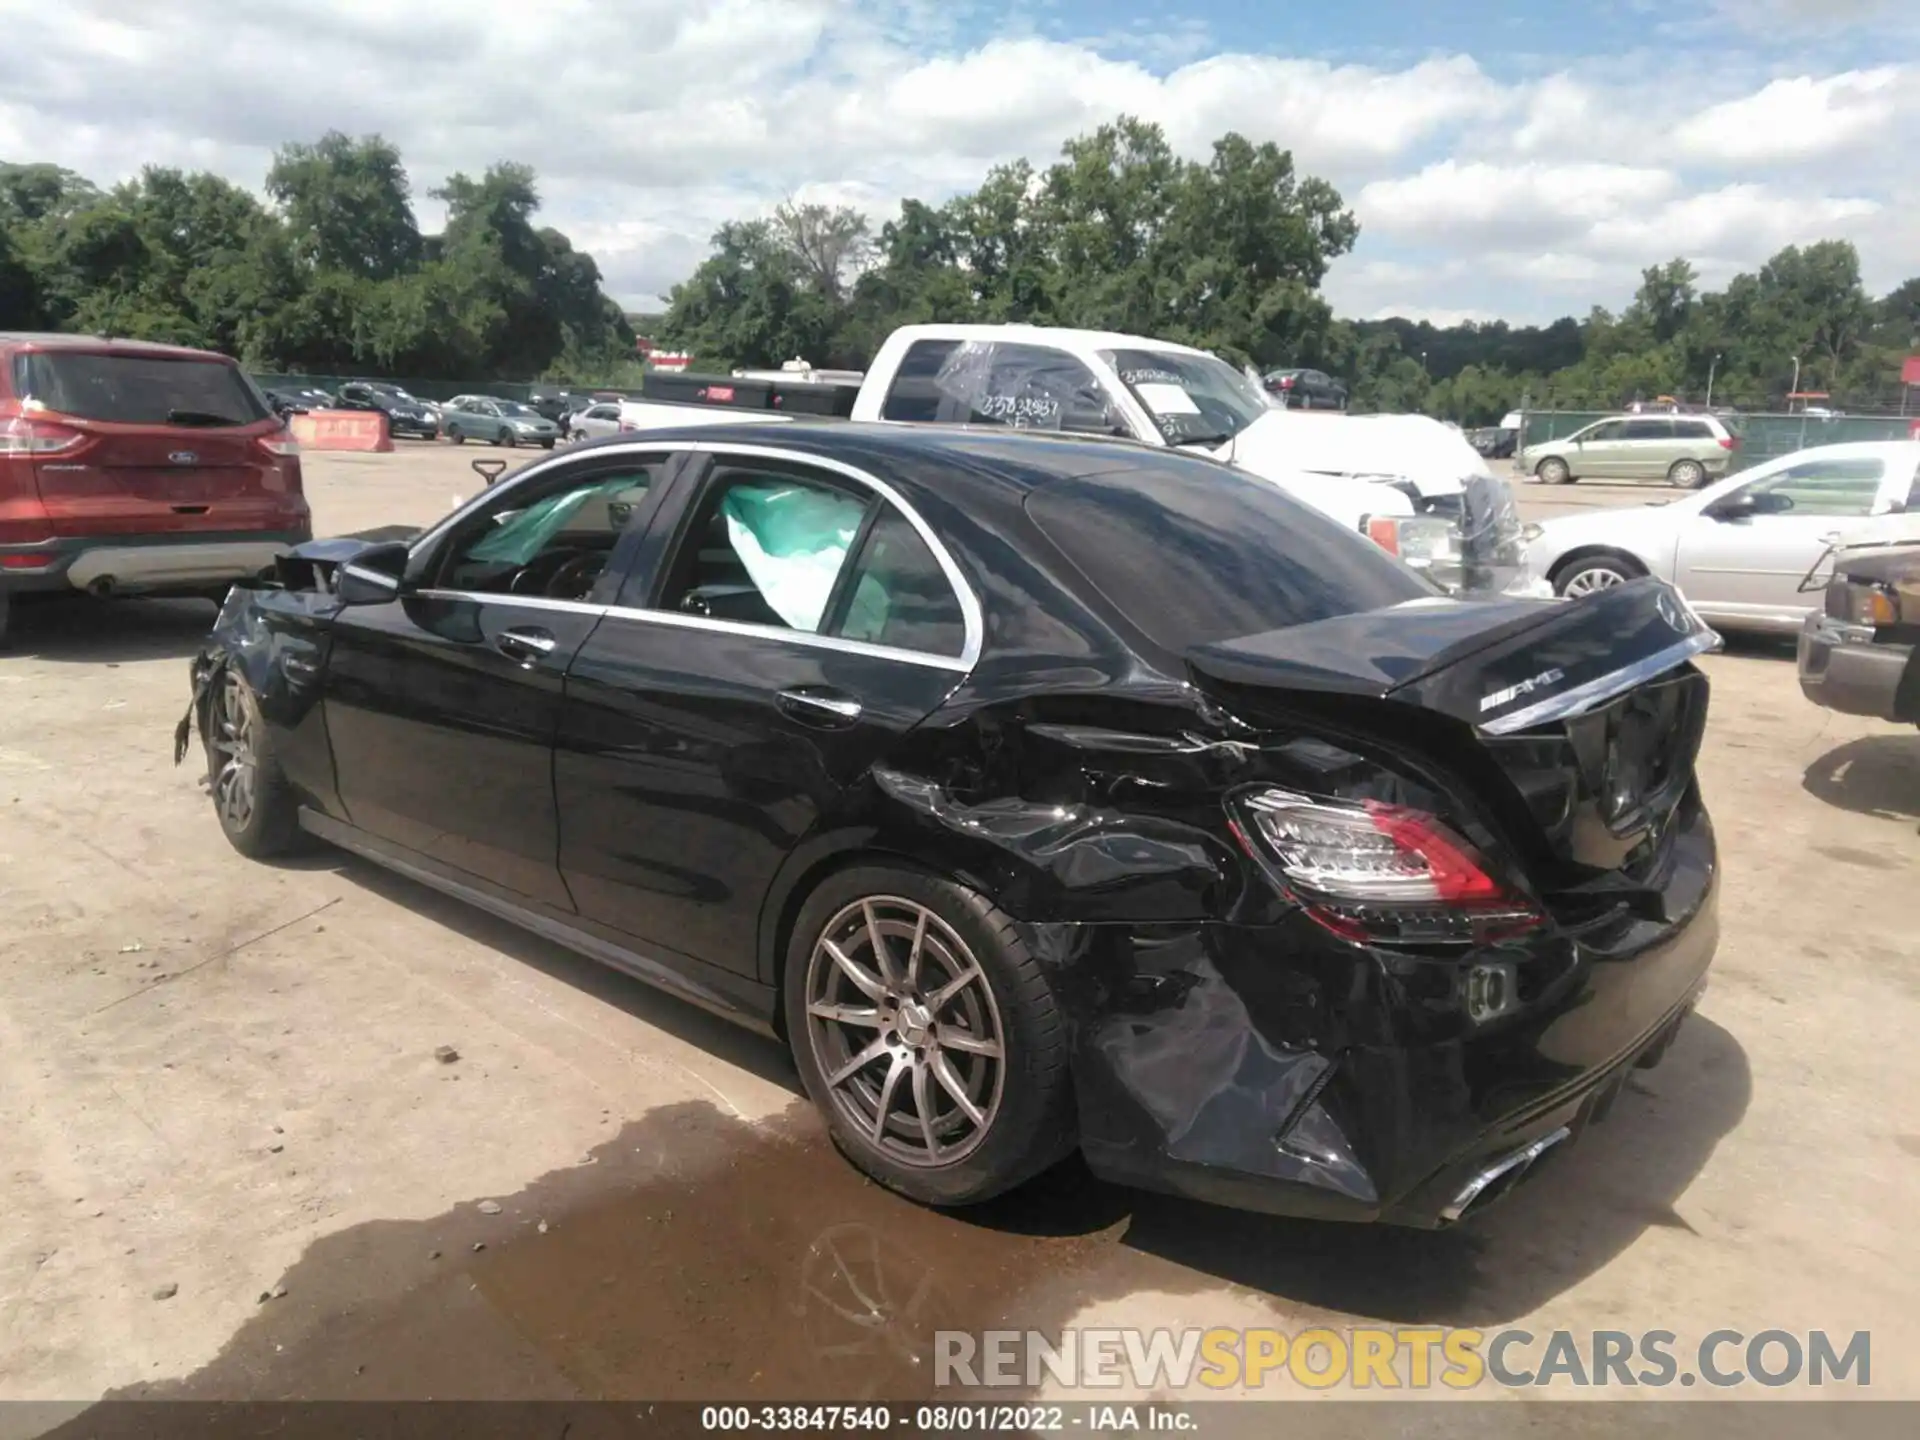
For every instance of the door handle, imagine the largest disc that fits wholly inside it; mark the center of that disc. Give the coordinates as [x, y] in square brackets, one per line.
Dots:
[824, 709]
[526, 644]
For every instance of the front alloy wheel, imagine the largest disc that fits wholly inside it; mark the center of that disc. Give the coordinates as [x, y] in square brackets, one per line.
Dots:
[1592, 576]
[906, 1031]
[235, 764]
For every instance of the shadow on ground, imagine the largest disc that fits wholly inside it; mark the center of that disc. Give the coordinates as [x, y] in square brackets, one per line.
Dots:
[81, 630]
[1876, 775]
[698, 1257]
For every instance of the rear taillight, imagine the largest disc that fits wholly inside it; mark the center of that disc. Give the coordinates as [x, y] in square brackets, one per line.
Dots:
[280, 442]
[1384, 531]
[1730, 442]
[21, 436]
[1378, 873]
[1286, 382]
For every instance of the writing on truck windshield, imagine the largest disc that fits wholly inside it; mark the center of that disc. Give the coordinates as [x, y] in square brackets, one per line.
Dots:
[1193, 399]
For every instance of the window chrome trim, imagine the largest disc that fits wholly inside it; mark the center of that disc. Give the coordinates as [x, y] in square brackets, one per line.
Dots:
[1583, 698]
[972, 617]
[959, 665]
[530, 602]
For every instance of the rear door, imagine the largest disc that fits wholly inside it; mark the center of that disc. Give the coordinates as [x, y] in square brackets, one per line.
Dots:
[170, 445]
[1646, 447]
[757, 664]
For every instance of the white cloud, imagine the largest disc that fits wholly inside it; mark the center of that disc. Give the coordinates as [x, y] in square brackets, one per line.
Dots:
[653, 121]
[1801, 118]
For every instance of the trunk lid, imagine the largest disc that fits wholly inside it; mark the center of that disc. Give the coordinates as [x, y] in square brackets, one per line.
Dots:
[1576, 722]
[149, 459]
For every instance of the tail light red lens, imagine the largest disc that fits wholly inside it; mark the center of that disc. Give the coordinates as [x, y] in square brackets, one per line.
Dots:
[1384, 531]
[22, 436]
[1378, 873]
[1731, 442]
[26, 562]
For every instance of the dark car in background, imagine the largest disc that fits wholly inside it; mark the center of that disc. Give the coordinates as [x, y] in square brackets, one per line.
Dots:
[406, 415]
[1040, 791]
[297, 401]
[1494, 442]
[136, 469]
[1306, 389]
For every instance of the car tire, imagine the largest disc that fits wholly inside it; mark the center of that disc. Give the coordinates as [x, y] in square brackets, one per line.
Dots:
[546, 444]
[1018, 1116]
[1593, 573]
[1686, 474]
[6, 617]
[1554, 471]
[455, 437]
[251, 798]
[509, 439]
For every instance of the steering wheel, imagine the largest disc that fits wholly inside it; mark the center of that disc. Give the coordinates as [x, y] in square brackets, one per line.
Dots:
[574, 577]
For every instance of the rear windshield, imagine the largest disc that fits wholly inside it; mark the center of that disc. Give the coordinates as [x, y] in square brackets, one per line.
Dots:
[136, 389]
[1194, 553]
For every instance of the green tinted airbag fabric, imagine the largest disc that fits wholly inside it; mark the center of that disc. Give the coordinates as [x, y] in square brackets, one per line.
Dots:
[792, 540]
[527, 534]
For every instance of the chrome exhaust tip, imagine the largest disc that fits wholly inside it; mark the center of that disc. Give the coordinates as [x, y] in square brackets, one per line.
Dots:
[1500, 1176]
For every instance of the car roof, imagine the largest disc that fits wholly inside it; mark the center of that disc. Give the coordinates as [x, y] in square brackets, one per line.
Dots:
[1027, 457]
[104, 345]
[1056, 336]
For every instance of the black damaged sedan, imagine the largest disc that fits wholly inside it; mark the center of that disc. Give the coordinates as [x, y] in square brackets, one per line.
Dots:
[1038, 792]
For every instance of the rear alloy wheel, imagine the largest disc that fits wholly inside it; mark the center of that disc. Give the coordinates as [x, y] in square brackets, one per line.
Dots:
[1553, 471]
[250, 795]
[455, 436]
[927, 1036]
[1687, 475]
[509, 439]
[1600, 572]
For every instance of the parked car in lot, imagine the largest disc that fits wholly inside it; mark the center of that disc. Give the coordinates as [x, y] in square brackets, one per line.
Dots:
[498, 422]
[298, 401]
[1493, 441]
[1860, 652]
[594, 422]
[135, 469]
[406, 416]
[1039, 791]
[1306, 390]
[1739, 549]
[1686, 451]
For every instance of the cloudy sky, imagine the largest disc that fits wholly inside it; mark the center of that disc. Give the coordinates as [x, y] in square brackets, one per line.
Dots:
[1519, 160]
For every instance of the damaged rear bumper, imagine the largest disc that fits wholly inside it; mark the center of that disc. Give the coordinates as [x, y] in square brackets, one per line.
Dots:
[1228, 1065]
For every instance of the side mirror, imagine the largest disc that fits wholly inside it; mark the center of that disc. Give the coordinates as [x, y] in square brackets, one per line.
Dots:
[374, 576]
[1734, 507]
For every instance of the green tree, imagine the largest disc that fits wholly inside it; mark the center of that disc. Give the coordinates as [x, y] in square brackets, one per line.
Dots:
[348, 205]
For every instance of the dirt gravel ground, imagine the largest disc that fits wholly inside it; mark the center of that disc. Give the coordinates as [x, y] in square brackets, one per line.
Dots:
[235, 1168]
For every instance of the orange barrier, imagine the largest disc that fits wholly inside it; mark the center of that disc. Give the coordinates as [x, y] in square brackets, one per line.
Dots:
[342, 430]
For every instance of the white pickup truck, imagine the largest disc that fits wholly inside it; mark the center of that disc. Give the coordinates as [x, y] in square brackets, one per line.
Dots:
[1411, 483]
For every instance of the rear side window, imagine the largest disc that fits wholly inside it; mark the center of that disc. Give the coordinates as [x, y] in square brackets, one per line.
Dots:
[136, 389]
[1649, 430]
[898, 595]
[1193, 553]
[1692, 430]
[1025, 387]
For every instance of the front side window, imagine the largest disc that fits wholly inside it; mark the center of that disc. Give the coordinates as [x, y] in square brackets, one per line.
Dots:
[552, 541]
[1845, 488]
[1193, 399]
[1605, 430]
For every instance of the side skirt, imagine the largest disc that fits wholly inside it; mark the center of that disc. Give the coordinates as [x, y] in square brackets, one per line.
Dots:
[732, 997]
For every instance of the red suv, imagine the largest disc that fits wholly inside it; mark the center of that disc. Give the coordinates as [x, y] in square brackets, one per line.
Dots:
[136, 469]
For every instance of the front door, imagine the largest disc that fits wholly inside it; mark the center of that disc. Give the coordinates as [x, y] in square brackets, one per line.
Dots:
[798, 626]
[442, 704]
[1600, 453]
[1750, 566]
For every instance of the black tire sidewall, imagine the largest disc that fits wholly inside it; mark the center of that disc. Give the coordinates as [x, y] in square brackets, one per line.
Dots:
[1687, 474]
[1545, 472]
[274, 827]
[1033, 1129]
